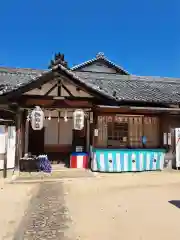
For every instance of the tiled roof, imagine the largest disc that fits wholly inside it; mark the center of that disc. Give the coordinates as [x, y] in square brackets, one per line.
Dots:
[13, 78]
[101, 57]
[114, 86]
[135, 88]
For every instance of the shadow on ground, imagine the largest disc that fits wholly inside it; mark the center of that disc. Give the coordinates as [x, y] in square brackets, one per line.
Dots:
[176, 203]
[46, 216]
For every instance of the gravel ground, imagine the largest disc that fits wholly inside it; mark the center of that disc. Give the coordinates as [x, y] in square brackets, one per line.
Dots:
[125, 207]
[46, 217]
[113, 206]
[14, 200]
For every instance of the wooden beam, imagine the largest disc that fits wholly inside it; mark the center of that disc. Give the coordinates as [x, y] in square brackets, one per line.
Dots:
[40, 102]
[40, 80]
[26, 138]
[60, 104]
[84, 87]
[59, 88]
[18, 150]
[71, 104]
[67, 90]
[39, 97]
[50, 90]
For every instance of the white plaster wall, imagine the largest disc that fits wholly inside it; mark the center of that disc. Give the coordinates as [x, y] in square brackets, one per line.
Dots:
[54, 113]
[46, 87]
[99, 67]
[65, 131]
[51, 131]
[74, 91]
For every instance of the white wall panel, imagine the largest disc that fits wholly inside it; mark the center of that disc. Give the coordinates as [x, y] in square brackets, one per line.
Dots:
[97, 67]
[51, 131]
[65, 132]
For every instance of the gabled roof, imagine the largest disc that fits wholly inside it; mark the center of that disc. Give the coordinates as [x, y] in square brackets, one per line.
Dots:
[116, 87]
[13, 78]
[100, 58]
[129, 88]
[23, 80]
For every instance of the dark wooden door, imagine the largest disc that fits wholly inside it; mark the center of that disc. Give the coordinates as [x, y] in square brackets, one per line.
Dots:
[79, 138]
[36, 141]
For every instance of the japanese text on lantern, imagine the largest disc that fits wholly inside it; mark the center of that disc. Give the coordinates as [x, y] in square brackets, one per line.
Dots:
[37, 119]
[78, 116]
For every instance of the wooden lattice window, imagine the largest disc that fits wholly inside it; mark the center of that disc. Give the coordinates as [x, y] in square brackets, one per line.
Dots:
[118, 132]
[151, 131]
[128, 131]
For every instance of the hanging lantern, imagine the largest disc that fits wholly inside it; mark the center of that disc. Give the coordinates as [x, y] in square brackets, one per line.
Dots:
[37, 118]
[78, 118]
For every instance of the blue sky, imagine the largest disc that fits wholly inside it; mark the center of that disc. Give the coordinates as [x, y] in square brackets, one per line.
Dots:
[143, 36]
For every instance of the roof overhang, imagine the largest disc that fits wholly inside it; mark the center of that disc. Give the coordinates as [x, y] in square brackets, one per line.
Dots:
[100, 57]
[149, 109]
[58, 71]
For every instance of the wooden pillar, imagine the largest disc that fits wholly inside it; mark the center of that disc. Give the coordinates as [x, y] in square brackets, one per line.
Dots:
[26, 137]
[18, 151]
[88, 134]
[94, 126]
[5, 154]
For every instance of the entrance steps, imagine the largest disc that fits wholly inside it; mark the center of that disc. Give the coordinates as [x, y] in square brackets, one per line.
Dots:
[59, 172]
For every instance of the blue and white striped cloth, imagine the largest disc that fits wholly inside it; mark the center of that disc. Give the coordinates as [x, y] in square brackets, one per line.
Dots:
[127, 160]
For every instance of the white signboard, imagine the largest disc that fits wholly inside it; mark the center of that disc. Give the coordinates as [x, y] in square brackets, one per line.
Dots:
[177, 142]
[2, 139]
[169, 139]
[78, 119]
[165, 138]
[96, 132]
[37, 118]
